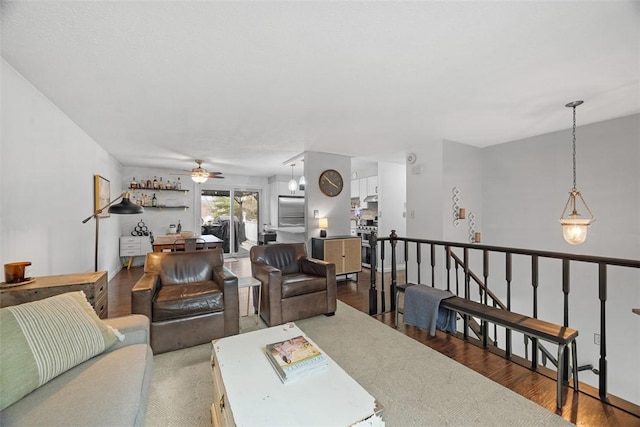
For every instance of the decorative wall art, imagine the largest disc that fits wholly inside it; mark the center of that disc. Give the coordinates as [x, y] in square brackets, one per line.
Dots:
[102, 193]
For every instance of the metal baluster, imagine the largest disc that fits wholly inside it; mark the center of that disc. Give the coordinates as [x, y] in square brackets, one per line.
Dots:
[508, 278]
[602, 295]
[394, 278]
[465, 318]
[373, 296]
[566, 284]
[448, 266]
[433, 265]
[419, 260]
[485, 273]
[406, 264]
[382, 252]
[534, 284]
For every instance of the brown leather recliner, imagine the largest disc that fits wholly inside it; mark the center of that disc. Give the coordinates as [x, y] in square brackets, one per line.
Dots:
[189, 297]
[293, 285]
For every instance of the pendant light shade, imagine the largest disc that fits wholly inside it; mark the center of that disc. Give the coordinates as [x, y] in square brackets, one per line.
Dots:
[574, 226]
[302, 183]
[293, 184]
[125, 207]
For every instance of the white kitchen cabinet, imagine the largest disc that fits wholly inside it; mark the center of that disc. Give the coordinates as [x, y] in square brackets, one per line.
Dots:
[363, 192]
[355, 188]
[372, 185]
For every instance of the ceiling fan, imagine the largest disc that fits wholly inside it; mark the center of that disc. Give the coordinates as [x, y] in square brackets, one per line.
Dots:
[200, 175]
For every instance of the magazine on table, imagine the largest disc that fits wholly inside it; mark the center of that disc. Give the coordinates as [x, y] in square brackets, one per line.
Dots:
[294, 358]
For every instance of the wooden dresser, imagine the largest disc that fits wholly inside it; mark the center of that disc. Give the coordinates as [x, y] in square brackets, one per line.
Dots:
[94, 286]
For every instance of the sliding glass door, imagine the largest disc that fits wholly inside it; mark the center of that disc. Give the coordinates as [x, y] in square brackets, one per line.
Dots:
[233, 216]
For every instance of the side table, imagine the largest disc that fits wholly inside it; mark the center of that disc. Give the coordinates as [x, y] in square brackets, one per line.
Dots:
[250, 282]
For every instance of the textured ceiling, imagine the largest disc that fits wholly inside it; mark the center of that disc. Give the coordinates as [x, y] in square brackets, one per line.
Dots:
[248, 85]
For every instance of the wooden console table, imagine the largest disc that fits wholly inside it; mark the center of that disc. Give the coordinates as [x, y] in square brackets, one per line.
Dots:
[94, 286]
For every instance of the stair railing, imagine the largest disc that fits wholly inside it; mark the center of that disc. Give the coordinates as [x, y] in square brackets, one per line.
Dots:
[413, 264]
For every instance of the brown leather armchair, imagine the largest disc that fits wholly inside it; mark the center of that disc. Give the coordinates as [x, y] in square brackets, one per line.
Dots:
[293, 285]
[189, 297]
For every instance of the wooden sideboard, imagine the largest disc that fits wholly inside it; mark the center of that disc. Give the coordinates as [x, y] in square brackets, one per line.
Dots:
[94, 286]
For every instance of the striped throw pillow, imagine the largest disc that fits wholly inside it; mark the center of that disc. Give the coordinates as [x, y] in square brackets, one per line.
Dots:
[42, 339]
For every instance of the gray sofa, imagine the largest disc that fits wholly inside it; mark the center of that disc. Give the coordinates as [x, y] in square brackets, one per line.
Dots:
[110, 389]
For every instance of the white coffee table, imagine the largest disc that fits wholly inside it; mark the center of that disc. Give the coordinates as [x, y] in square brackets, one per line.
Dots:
[248, 392]
[250, 282]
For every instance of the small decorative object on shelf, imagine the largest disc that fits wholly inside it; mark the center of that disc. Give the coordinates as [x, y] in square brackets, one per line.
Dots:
[149, 184]
[156, 185]
[154, 201]
[165, 189]
[140, 230]
[134, 184]
[295, 358]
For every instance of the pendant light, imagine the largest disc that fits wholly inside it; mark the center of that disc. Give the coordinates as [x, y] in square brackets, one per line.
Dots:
[293, 184]
[302, 183]
[574, 228]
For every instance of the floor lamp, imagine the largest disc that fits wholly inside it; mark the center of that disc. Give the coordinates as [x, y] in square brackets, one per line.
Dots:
[125, 207]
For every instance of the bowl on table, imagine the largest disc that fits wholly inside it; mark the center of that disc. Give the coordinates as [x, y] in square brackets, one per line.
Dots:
[187, 234]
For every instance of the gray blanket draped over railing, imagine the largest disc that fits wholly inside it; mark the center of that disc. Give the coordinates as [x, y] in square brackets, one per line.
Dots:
[422, 309]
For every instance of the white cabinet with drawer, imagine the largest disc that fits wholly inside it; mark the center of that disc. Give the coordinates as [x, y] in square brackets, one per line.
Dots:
[131, 246]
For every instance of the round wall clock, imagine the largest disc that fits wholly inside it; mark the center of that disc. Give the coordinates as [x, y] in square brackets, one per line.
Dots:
[330, 182]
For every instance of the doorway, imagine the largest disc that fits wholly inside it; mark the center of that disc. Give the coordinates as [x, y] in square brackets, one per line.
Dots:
[233, 216]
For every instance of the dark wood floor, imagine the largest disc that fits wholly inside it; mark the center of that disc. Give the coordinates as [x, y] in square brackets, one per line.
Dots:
[579, 408]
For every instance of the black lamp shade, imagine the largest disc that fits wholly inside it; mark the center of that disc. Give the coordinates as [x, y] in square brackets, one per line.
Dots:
[126, 207]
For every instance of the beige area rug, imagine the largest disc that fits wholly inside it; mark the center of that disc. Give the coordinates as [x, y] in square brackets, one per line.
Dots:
[416, 385]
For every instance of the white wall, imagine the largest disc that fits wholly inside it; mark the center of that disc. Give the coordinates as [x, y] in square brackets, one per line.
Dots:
[335, 209]
[159, 220]
[462, 169]
[523, 186]
[46, 188]
[424, 190]
[392, 184]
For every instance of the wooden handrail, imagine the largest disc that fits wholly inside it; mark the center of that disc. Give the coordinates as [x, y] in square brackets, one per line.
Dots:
[620, 262]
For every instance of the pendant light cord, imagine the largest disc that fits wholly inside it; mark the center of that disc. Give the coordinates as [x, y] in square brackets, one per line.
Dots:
[574, 147]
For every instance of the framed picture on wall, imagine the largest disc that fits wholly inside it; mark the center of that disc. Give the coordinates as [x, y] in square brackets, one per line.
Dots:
[102, 192]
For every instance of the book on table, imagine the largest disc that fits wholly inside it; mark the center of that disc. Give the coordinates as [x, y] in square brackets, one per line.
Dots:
[295, 358]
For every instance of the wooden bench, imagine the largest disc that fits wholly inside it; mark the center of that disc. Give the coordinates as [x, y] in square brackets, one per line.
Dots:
[556, 334]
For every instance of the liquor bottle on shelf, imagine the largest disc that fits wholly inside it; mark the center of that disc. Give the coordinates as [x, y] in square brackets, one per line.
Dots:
[179, 229]
[149, 184]
[179, 184]
[161, 184]
[154, 201]
[155, 183]
[134, 184]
